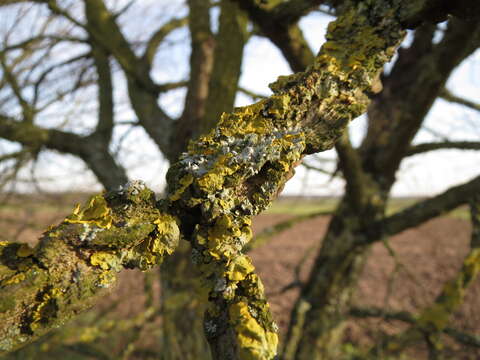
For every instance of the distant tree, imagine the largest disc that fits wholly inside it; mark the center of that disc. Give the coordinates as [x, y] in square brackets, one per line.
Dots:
[234, 167]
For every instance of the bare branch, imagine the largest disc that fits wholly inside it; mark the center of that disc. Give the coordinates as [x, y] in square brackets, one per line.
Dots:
[288, 37]
[434, 319]
[229, 43]
[27, 110]
[88, 148]
[350, 163]
[447, 95]
[255, 96]
[291, 11]
[161, 88]
[316, 168]
[159, 35]
[201, 64]
[425, 210]
[459, 145]
[280, 227]
[142, 90]
[105, 95]
[366, 312]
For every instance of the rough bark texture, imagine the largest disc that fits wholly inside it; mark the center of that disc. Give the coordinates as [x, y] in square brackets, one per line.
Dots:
[43, 287]
[395, 116]
[237, 169]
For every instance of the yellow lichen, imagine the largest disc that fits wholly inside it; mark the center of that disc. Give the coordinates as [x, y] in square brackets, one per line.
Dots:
[214, 179]
[104, 260]
[106, 278]
[95, 212]
[239, 268]
[45, 309]
[254, 341]
[15, 279]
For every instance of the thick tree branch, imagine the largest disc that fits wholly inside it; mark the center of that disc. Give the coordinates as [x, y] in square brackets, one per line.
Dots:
[43, 287]
[216, 187]
[357, 181]
[235, 171]
[142, 90]
[88, 148]
[201, 63]
[105, 95]
[286, 36]
[409, 91]
[230, 41]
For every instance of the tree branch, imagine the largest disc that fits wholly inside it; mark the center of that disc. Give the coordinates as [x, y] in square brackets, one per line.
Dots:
[142, 90]
[350, 163]
[291, 11]
[366, 312]
[252, 94]
[27, 110]
[230, 41]
[280, 227]
[104, 128]
[42, 288]
[224, 179]
[158, 36]
[88, 148]
[425, 210]
[236, 170]
[201, 63]
[434, 319]
[409, 91]
[459, 145]
[161, 88]
[288, 37]
[447, 95]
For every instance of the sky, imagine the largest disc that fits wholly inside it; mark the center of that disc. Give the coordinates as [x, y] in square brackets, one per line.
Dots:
[420, 175]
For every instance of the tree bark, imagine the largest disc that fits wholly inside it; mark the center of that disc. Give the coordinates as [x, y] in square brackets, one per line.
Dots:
[43, 287]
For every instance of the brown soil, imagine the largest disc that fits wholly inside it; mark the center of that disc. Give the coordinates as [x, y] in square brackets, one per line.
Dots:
[425, 258]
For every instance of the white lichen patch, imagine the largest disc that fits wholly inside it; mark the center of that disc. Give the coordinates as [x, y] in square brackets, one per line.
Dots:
[89, 232]
[133, 187]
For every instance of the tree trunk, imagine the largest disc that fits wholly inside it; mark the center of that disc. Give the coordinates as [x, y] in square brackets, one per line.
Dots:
[316, 326]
